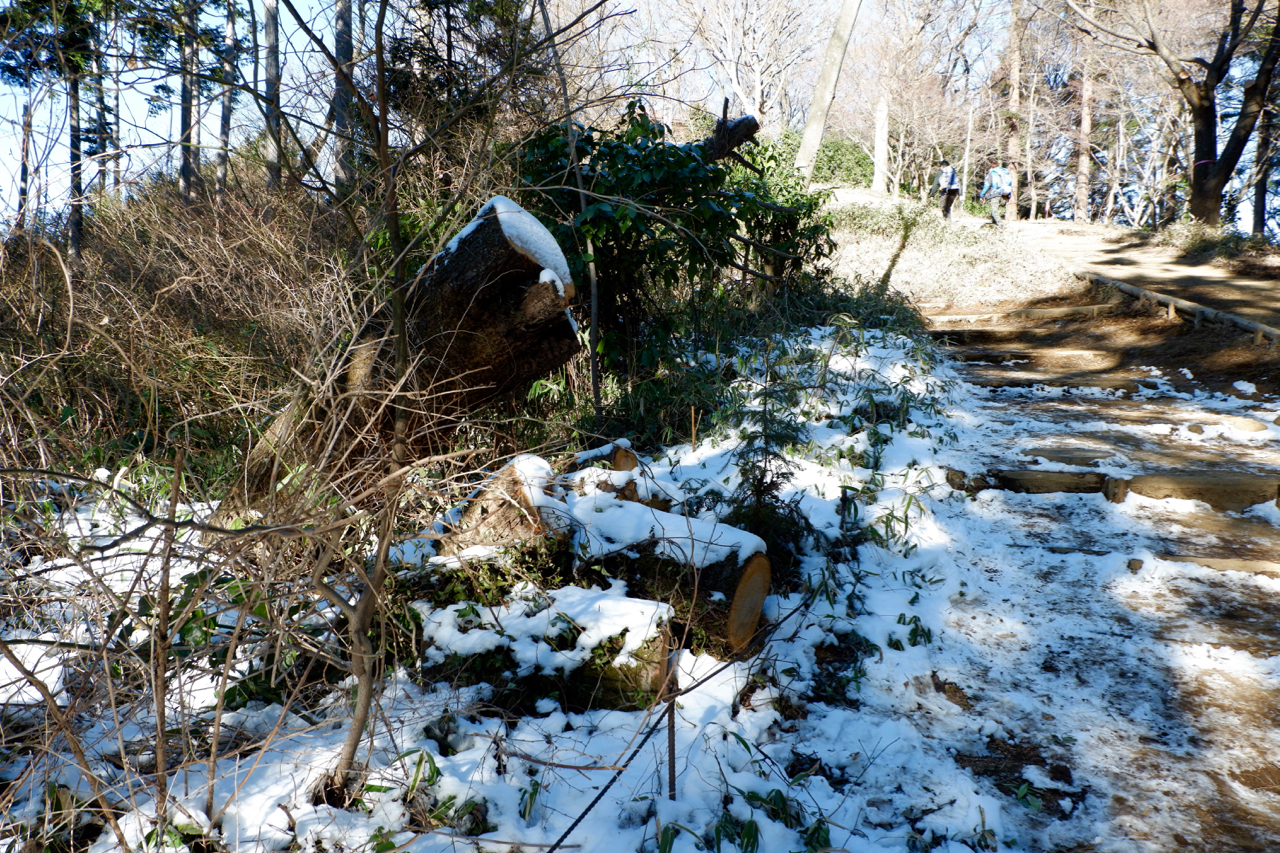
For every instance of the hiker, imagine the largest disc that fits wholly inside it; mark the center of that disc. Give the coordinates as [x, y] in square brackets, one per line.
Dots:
[998, 186]
[948, 188]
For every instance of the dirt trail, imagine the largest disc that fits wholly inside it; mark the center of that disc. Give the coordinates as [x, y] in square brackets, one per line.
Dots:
[1125, 256]
[1146, 439]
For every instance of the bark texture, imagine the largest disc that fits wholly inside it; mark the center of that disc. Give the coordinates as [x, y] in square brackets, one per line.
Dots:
[1084, 146]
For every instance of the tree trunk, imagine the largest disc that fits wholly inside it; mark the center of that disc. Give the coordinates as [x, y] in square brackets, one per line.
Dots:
[1206, 184]
[1083, 146]
[271, 39]
[880, 155]
[187, 119]
[343, 168]
[1211, 170]
[116, 153]
[1033, 198]
[76, 223]
[825, 92]
[228, 79]
[100, 98]
[968, 148]
[1016, 29]
[1113, 181]
[898, 167]
[1262, 174]
[24, 179]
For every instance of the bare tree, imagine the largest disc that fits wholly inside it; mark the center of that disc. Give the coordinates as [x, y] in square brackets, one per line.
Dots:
[188, 172]
[757, 49]
[1018, 25]
[1262, 171]
[1084, 143]
[228, 92]
[1197, 44]
[342, 49]
[76, 216]
[25, 174]
[880, 146]
[271, 58]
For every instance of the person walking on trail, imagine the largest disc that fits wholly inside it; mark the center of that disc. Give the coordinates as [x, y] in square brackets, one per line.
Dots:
[997, 187]
[948, 188]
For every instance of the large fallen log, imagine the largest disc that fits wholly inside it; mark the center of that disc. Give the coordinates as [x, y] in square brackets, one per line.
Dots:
[486, 317]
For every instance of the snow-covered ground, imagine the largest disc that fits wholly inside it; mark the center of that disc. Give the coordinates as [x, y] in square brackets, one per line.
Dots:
[943, 679]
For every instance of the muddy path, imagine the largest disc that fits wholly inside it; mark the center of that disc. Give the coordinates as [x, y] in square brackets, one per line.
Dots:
[1132, 463]
[1129, 256]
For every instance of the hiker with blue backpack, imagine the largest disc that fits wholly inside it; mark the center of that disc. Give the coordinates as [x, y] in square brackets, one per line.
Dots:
[948, 188]
[998, 187]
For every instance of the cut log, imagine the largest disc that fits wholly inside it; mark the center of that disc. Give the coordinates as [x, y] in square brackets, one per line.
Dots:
[611, 457]
[498, 515]
[748, 601]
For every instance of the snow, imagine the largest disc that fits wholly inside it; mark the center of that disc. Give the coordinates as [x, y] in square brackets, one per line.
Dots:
[1074, 653]
[529, 236]
[523, 625]
[37, 654]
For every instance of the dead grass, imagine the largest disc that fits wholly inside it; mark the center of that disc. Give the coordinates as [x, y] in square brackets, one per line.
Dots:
[180, 326]
[935, 264]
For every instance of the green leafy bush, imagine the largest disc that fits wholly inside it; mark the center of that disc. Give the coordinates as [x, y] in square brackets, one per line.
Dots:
[662, 222]
[843, 161]
[839, 160]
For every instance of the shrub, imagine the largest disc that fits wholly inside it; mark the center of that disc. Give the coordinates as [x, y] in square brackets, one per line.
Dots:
[662, 222]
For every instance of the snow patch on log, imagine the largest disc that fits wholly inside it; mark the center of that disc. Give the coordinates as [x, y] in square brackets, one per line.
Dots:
[586, 457]
[590, 506]
[523, 231]
[549, 277]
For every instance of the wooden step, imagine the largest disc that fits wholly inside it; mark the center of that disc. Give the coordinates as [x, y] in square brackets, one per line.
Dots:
[1029, 482]
[1081, 457]
[1223, 492]
[1226, 492]
[1128, 386]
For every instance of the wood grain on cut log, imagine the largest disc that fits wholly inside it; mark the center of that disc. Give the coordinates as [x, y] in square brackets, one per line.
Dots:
[499, 515]
[618, 457]
[748, 601]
